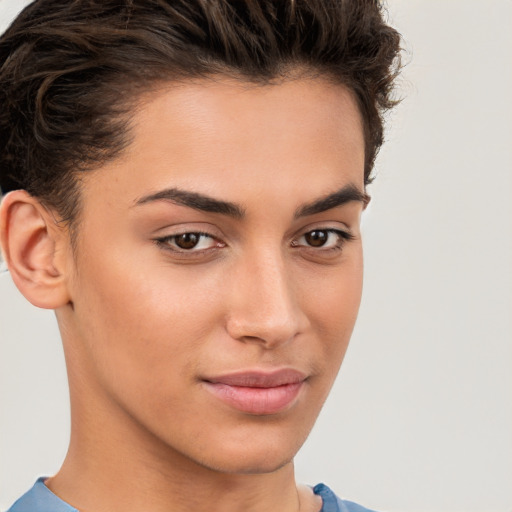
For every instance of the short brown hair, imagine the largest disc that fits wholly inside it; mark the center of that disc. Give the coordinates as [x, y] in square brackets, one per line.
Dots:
[69, 71]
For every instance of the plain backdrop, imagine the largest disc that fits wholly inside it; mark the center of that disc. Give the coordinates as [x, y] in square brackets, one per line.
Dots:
[420, 418]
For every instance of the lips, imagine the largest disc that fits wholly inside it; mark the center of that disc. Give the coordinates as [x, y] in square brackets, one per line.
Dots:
[258, 392]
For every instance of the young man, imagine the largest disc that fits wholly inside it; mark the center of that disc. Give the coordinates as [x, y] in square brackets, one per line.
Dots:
[184, 182]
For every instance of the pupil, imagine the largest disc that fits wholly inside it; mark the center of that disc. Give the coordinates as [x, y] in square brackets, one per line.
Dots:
[316, 238]
[187, 240]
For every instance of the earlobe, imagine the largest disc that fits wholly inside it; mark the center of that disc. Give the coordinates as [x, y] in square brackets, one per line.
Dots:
[32, 245]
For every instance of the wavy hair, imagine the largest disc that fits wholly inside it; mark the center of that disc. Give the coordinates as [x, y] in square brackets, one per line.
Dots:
[71, 71]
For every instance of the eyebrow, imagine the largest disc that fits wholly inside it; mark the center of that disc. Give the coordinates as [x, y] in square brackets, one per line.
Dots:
[209, 204]
[195, 201]
[345, 195]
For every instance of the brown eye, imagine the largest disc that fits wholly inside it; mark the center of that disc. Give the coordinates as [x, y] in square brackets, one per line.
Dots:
[323, 239]
[187, 240]
[316, 238]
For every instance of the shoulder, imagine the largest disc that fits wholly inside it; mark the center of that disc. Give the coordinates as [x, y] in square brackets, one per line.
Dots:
[40, 499]
[333, 503]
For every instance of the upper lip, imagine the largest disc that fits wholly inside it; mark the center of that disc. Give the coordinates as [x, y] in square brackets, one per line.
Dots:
[259, 378]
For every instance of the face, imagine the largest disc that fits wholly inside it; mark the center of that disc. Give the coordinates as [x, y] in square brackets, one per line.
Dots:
[218, 271]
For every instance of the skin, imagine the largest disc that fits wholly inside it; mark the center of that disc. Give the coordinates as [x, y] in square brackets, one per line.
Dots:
[144, 322]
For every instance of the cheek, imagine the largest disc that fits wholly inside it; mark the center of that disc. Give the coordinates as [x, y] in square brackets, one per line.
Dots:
[334, 309]
[140, 324]
[339, 290]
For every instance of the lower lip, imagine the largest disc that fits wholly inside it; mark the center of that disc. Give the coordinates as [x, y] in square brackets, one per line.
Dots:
[258, 401]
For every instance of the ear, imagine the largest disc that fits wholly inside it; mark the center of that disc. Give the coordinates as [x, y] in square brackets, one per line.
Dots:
[35, 249]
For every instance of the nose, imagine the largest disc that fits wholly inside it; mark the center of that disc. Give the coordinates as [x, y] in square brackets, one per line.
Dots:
[264, 306]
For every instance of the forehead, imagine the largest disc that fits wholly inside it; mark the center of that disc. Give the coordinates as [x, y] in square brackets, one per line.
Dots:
[227, 138]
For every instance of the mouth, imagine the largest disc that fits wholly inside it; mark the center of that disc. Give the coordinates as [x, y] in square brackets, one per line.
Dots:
[258, 392]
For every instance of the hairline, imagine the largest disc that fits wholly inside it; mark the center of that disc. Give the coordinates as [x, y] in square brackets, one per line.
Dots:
[144, 91]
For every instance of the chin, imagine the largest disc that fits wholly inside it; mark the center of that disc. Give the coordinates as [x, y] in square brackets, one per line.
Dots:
[247, 464]
[254, 455]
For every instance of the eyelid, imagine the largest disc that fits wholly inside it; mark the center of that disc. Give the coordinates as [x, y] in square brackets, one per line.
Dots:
[181, 228]
[342, 233]
[325, 225]
[323, 253]
[165, 242]
[165, 239]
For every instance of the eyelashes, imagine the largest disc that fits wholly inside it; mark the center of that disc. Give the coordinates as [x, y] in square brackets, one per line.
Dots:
[324, 239]
[195, 244]
[190, 241]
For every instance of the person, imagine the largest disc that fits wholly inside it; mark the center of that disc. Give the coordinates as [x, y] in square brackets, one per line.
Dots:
[183, 184]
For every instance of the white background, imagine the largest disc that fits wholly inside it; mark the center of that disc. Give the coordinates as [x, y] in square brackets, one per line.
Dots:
[420, 419]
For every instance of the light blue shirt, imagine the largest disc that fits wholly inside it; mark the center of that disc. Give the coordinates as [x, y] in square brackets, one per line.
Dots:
[41, 499]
